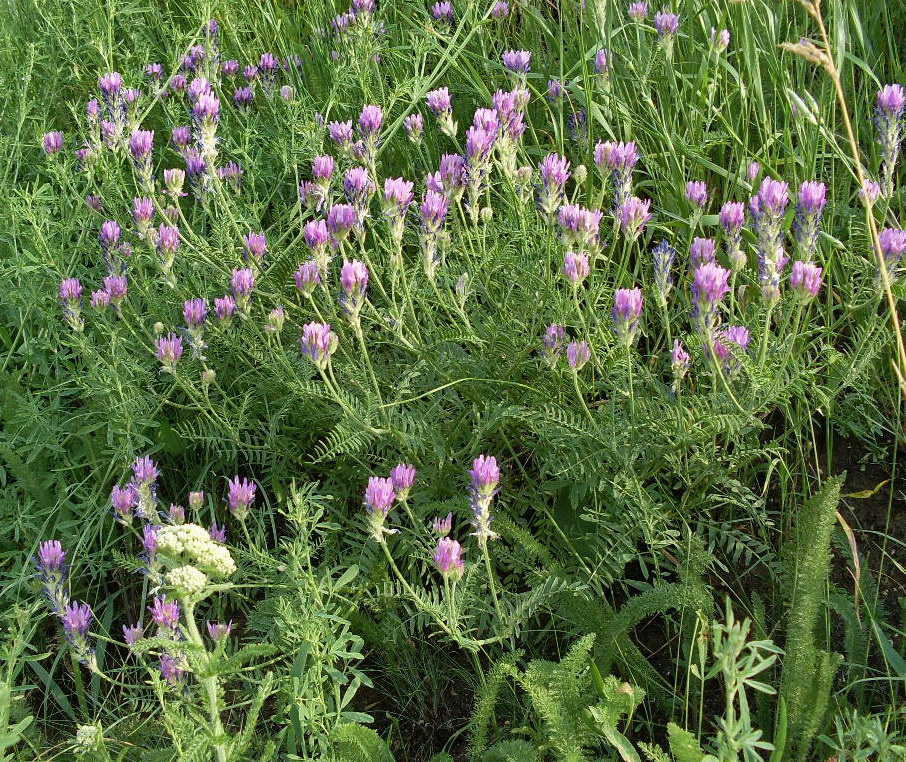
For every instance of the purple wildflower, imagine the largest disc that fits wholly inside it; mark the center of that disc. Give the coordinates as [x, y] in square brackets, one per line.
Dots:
[254, 247]
[132, 634]
[318, 343]
[662, 257]
[638, 11]
[891, 104]
[379, 497]
[71, 296]
[485, 478]
[77, 618]
[619, 159]
[812, 198]
[442, 526]
[554, 339]
[354, 280]
[169, 351]
[403, 477]
[627, 309]
[448, 558]
[732, 216]
[634, 215]
[414, 124]
[701, 251]
[217, 631]
[52, 143]
[307, 277]
[577, 354]
[709, 286]
[575, 267]
[432, 213]
[240, 496]
[554, 170]
[697, 194]
[51, 566]
[241, 285]
[217, 533]
[805, 280]
[124, 500]
[517, 61]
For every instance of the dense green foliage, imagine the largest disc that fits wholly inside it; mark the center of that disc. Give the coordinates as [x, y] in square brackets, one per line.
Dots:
[704, 567]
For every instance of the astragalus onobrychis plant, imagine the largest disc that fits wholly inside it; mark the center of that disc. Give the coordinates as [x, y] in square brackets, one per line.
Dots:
[494, 346]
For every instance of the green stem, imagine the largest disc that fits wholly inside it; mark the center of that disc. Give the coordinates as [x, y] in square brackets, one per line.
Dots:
[208, 684]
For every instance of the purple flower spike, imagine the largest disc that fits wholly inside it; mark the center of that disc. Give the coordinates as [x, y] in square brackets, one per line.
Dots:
[634, 215]
[602, 64]
[195, 311]
[517, 61]
[697, 194]
[679, 363]
[340, 133]
[812, 199]
[805, 280]
[710, 284]
[893, 246]
[318, 343]
[124, 501]
[71, 296]
[575, 267]
[891, 104]
[618, 159]
[51, 567]
[767, 208]
[443, 12]
[341, 218]
[398, 197]
[439, 101]
[100, 300]
[243, 97]
[77, 618]
[241, 285]
[149, 542]
[354, 280]
[241, 495]
[662, 257]
[442, 526]
[554, 339]
[403, 477]
[307, 277]
[132, 634]
[579, 226]
[359, 188]
[414, 124]
[720, 41]
[638, 11]
[500, 9]
[554, 170]
[217, 533]
[379, 497]
[52, 143]
[577, 354]
[165, 614]
[432, 213]
[224, 308]
[217, 631]
[370, 121]
[169, 351]
[448, 558]
[732, 217]
[485, 478]
[702, 251]
[254, 247]
[666, 24]
[627, 309]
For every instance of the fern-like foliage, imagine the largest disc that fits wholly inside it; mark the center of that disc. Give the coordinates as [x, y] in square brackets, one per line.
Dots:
[808, 670]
